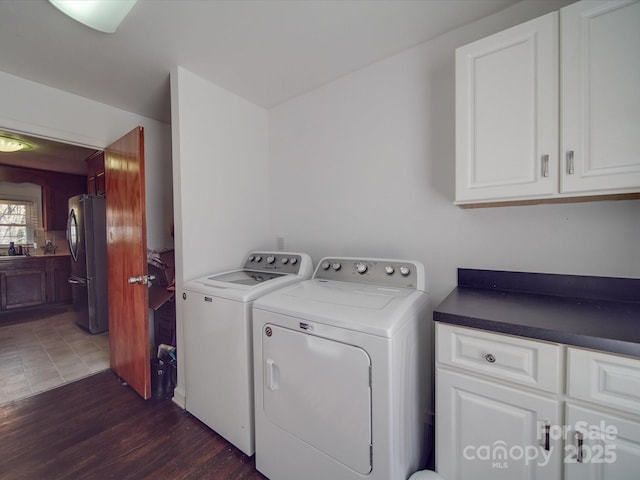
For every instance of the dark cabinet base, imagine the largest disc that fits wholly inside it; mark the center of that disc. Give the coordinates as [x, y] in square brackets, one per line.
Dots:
[23, 288]
[32, 281]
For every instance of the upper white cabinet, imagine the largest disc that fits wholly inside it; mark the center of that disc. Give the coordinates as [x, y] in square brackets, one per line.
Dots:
[551, 108]
[507, 113]
[600, 96]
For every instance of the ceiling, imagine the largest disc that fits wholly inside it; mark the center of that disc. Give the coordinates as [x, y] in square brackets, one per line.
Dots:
[266, 51]
[47, 155]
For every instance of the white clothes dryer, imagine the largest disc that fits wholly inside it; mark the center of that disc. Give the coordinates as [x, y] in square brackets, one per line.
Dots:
[218, 351]
[342, 372]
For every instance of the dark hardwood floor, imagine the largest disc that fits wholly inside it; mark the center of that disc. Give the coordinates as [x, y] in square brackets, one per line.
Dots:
[97, 428]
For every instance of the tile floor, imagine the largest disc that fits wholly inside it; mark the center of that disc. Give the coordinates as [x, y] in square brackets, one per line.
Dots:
[45, 353]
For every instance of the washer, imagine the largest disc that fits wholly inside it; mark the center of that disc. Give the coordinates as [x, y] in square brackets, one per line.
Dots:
[342, 372]
[218, 352]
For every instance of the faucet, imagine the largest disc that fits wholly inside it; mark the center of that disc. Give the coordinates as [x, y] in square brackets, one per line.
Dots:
[49, 247]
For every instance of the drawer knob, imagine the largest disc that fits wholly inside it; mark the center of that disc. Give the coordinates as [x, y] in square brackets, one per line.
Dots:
[490, 358]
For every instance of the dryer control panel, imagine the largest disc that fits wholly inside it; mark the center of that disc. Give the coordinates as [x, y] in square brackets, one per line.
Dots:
[373, 271]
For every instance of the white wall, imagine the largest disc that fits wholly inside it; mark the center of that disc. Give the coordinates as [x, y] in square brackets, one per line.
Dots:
[221, 180]
[29, 107]
[221, 183]
[365, 166]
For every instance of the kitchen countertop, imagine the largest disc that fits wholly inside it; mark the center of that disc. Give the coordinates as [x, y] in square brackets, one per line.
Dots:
[39, 255]
[601, 313]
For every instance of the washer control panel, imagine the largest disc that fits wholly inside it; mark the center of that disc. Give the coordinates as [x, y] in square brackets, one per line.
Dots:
[281, 262]
[371, 271]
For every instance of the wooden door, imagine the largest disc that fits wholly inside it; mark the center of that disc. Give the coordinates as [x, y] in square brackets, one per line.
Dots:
[127, 257]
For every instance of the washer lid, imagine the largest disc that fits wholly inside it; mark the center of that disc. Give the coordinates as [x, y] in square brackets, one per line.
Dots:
[244, 277]
[370, 309]
[247, 284]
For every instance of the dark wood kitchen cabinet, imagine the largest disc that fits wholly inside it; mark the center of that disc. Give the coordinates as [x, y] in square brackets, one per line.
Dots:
[23, 287]
[95, 174]
[32, 281]
[55, 200]
[58, 272]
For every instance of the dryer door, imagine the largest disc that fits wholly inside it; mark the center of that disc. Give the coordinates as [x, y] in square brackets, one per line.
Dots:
[320, 391]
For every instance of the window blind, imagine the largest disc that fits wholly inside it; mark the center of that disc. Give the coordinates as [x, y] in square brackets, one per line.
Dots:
[18, 219]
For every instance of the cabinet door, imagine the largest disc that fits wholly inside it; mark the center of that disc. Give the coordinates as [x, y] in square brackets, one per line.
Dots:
[486, 431]
[100, 183]
[600, 149]
[24, 288]
[601, 446]
[95, 174]
[61, 274]
[507, 114]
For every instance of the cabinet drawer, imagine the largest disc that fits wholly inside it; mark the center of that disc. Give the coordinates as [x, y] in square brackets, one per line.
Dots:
[605, 379]
[525, 362]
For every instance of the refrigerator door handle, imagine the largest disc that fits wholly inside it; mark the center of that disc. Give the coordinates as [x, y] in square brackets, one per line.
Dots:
[73, 234]
[77, 281]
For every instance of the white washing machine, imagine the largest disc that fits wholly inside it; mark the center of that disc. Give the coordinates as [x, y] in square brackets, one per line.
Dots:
[218, 352]
[342, 372]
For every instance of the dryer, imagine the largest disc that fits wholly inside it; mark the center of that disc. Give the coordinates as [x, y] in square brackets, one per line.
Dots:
[218, 351]
[342, 372]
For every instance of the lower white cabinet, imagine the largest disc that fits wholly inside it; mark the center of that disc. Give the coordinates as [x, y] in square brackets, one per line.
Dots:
[601, 446]
[493, 432]
[501, 413]
[604, 441]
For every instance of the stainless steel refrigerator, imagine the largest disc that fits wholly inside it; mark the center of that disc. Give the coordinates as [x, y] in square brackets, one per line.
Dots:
[87, 237]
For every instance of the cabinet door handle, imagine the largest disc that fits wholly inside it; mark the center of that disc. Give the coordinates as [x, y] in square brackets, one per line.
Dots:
[580, 442]
[545, 165]
[570, 166]
[547, 436]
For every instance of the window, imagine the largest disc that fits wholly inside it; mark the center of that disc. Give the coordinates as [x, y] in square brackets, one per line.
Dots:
[17, 220]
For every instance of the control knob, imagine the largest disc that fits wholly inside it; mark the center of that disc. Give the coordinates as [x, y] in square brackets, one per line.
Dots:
[284, 260]
[389, 269]
[258, 258]
[404, 271]
[271, 259]
[361, 268]
[336, 266]
[325, 265]
[293, 260]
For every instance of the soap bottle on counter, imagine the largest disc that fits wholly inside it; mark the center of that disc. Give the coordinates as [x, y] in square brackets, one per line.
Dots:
[12, 248]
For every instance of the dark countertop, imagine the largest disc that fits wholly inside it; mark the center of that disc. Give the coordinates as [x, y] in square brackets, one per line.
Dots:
[601, 313]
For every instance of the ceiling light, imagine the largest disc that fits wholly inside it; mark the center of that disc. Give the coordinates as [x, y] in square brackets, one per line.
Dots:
[8, 145]
[102, 15]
